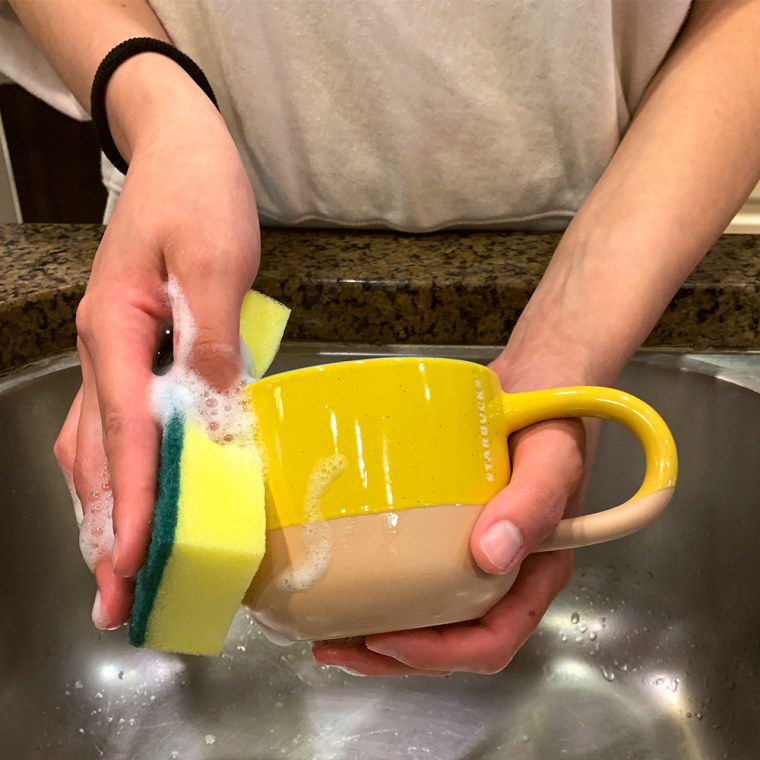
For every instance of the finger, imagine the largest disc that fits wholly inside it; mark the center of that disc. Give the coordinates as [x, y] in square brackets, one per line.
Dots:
[65, 446]
[65, 449]
[121, 352]
[489, 644]
[206, 297]
[90, 469]
[113, 600]
[358, 660]
[547, 469]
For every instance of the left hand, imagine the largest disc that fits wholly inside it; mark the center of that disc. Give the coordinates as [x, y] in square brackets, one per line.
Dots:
[547, 463]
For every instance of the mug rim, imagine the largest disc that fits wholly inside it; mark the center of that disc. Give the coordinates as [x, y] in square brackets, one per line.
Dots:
[334, 367]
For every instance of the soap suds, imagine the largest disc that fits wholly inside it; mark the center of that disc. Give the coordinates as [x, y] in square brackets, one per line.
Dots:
[316, 533]
[96, 528]
[223, 415]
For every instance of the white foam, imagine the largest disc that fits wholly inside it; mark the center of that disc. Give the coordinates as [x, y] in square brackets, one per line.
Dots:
[99, 617]
[96, 528]
[183, 323]
[316, 533]
[223, 415]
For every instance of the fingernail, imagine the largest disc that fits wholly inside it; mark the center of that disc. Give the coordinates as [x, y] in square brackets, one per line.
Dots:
[115, 554]
[349, 671]
[501, 543]
[98, 617]
[117, 569]
[381, 648]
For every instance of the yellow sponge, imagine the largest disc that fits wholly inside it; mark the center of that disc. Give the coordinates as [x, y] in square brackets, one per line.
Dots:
[209, 525]
[262, 324]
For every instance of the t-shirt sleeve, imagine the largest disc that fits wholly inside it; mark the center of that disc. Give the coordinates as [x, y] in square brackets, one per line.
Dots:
[24, 64]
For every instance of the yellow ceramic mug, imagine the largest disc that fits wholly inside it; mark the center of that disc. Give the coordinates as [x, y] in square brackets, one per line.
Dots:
[376, 472]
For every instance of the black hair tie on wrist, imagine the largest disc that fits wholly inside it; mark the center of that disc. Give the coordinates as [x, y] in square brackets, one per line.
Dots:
[122, 52]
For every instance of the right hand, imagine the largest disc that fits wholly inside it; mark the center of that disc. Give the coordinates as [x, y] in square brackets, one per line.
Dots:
[187, 212]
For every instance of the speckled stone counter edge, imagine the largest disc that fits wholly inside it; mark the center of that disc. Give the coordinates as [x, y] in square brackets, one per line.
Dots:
[378, 288]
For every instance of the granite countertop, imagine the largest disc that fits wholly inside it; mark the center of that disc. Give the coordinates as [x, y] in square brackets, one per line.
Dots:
[378, 288]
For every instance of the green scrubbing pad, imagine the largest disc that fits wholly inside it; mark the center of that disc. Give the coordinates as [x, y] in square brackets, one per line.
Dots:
[162, 535]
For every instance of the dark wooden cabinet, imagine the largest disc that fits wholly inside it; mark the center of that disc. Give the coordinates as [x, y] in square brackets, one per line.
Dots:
[55, 159]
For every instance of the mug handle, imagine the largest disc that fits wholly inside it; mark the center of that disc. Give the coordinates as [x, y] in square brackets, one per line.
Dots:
[524, 409]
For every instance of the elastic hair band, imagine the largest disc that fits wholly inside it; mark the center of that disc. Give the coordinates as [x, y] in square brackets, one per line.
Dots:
[123, 52]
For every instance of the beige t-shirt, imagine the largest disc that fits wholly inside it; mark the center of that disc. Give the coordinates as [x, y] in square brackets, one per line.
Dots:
[413, 114]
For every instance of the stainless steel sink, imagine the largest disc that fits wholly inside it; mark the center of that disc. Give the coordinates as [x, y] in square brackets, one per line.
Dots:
[652, 652]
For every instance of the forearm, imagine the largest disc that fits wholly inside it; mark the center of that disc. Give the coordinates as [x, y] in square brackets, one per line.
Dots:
[75, 36]
[686, 164]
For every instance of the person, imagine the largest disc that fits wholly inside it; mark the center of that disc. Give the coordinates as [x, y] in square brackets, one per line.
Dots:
[630, 125]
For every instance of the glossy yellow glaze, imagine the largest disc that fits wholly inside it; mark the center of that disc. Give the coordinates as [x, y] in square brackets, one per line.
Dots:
[414, 432]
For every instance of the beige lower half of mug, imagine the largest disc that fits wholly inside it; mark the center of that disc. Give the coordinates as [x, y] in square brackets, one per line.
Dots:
[372, 573]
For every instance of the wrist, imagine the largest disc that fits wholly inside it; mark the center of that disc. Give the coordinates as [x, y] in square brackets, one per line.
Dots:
[149, 93]
[582, 323]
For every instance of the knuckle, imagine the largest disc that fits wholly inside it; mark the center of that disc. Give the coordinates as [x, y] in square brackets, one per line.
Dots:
[551, 501]
[84, 319]
[63, 450]
[208, 341]
[114, 423]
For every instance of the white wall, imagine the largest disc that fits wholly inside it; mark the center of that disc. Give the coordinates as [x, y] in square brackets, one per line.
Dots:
[748, 219]
[9, 208]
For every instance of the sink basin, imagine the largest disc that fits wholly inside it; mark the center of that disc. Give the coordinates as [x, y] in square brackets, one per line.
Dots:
[651, 652]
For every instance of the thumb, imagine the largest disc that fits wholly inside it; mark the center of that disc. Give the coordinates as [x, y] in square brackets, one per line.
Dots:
[206, 315]
[547, 467]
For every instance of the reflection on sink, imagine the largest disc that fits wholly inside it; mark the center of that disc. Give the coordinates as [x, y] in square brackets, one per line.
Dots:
[652, 652]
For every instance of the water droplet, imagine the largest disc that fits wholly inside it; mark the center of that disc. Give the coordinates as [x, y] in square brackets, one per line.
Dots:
[592, 636]
[210, 739]
[81, 731]
[132, 721]
[278, 704]
[78, 685]
[608, 675]
[240, 648]
[563, 637]
[674, 684]
[574, 618]
[99, 695]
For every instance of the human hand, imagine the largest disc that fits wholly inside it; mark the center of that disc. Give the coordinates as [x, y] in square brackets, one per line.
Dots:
[547, 477]
[186, 214]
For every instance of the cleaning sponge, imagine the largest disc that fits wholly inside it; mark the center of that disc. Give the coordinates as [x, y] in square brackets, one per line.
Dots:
[209, 524]
[262, 324]
[206, 544]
